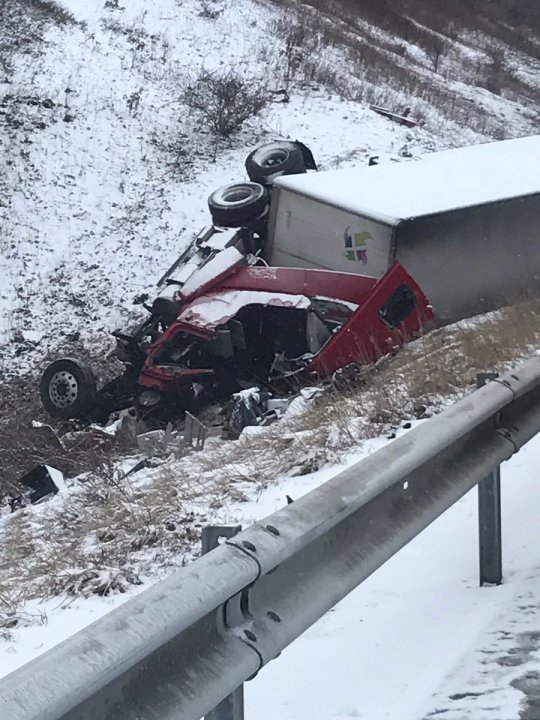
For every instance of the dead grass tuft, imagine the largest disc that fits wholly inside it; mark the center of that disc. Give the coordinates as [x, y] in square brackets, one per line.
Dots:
[11, 615]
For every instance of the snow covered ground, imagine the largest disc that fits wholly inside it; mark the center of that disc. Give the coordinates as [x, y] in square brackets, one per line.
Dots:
[109, 180]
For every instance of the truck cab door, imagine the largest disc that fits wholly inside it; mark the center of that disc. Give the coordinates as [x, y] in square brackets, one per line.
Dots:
[393, 313]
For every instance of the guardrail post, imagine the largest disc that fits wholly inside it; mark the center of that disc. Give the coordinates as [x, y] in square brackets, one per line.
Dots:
[489, 517]
[232, 708]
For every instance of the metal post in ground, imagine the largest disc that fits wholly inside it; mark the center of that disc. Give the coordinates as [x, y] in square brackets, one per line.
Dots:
[232, 707]
[489, 517]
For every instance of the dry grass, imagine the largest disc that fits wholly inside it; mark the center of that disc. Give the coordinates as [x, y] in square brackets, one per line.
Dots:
[11, 615]
[23, 446]
[101, 537]
[22, 27]
[110, 531]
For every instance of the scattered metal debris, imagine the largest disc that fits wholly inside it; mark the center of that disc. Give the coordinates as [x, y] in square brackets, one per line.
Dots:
[142, 465]
[401, 119]
[43, 481]
[170, 441]
[195, 433]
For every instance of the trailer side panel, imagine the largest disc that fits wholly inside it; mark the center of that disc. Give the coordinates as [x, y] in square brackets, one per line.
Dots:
[475, 259]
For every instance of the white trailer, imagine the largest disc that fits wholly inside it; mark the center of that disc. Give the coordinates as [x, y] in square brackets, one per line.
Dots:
[465, 223]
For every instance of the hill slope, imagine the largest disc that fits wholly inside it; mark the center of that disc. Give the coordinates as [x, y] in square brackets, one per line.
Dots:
[105, 168]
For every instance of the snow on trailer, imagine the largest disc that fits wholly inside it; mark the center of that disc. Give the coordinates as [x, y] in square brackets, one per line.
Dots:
[439, 182]
[464, 223]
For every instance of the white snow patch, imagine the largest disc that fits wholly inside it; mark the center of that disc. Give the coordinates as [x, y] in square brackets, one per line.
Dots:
[208, 311]
[462, 177]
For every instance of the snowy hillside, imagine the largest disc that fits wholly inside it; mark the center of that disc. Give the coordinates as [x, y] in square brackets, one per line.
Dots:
[106, 171]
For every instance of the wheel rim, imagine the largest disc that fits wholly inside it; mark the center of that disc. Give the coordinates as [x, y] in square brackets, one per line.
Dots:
[272, 155]
[237, 195]
[63, 389]
[276, 157]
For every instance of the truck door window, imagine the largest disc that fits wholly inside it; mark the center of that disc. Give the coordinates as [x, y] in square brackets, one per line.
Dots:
[398, 306]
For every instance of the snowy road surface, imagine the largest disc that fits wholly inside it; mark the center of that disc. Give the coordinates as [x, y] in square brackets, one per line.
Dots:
[420, 639]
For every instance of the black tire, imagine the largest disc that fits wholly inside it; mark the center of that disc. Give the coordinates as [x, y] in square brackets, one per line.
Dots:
[68, 389]
[269, 161]
[238, 205]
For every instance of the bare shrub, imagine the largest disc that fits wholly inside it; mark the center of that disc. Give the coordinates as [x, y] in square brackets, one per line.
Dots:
[211, 9]
[224, 100]
[493, 75]
[436, 49]
[302, 39]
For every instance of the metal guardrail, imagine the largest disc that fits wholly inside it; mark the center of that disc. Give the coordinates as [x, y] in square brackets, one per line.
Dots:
[176, 650]
[231, 707]
[489, 516]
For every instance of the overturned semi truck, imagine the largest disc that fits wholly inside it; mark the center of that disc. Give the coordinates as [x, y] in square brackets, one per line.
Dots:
[377, 252]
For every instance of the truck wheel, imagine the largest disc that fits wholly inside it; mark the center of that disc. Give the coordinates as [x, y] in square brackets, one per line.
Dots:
[238, 205]
[269, 161]
[68, 389]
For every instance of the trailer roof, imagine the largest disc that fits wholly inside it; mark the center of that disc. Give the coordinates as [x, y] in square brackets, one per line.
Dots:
[436, 183]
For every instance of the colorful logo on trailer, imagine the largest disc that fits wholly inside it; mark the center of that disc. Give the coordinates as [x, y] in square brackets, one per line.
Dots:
[355, 246]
